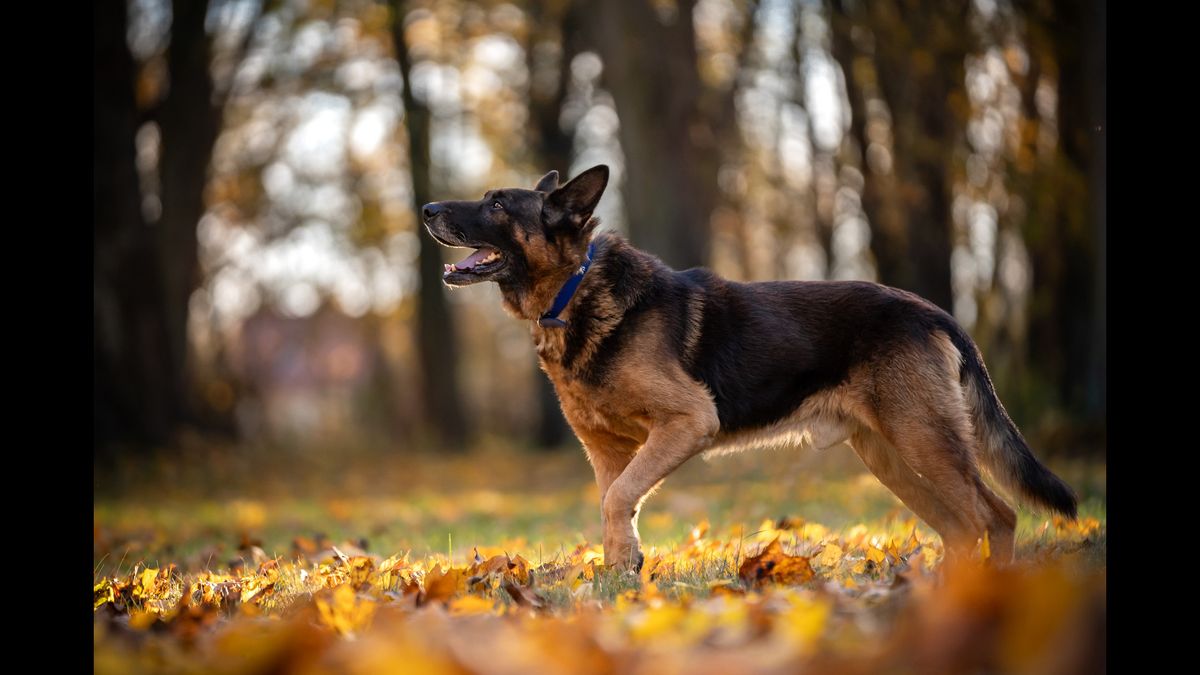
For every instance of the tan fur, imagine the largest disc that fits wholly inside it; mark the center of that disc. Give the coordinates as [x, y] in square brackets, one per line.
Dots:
[651, 419]
[550, 264]
[922, 446]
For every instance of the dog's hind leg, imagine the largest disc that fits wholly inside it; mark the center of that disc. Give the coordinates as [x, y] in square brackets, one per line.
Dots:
[920, 493]
[921, 411]
[943, 486]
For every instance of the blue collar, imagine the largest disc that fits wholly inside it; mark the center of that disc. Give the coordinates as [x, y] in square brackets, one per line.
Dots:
[565, 294]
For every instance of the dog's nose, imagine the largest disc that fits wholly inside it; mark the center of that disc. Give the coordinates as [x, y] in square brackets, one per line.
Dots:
[431, 210]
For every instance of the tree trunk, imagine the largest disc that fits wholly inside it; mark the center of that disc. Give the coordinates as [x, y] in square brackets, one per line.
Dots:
[1066, 228]
[437, 342]
[133, 400]
[666, 133]
[190, 120]
[919, 59]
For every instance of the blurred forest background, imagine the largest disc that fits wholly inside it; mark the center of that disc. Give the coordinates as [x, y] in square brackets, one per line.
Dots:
[261, 278]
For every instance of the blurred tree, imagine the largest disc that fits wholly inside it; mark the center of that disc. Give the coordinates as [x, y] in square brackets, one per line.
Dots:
[134, 397]
[147, 271]
[190, 120]
[436, 339]
[918, 51]
[790, 200]
[668, 128]
[1066, 228]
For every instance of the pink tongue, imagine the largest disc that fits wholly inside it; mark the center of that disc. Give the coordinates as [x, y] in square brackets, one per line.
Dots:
[473, 259]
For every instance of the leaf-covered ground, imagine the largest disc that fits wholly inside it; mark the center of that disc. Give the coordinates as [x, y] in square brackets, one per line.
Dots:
[334, 562]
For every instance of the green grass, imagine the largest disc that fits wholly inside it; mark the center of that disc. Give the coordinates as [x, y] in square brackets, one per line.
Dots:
[541, 504]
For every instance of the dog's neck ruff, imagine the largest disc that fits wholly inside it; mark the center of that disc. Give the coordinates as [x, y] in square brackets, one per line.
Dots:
[550, 318]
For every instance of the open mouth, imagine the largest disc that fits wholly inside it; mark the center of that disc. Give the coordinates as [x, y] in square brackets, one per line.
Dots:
[474, 267]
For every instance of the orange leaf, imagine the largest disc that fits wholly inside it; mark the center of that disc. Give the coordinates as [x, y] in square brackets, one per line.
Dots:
[773, 564]
[441, 586]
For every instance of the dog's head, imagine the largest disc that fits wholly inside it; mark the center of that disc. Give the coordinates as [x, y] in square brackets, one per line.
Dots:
[519, 236]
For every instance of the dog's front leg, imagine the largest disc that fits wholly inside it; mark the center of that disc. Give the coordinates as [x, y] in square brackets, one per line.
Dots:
[609, 454]
[671, 442]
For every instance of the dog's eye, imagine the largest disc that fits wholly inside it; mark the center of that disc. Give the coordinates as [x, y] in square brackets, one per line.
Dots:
[496, 206]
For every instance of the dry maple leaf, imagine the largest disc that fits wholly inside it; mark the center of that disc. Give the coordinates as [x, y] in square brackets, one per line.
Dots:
[518, 568]
[441, 586]
[522, 595]
[773, 564]
[344, 610]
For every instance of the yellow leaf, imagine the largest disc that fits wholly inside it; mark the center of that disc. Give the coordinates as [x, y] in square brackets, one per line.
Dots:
[650, 568]
[146, 584]
[342, 610]
[912, 544]
[875, 555]
[102, 593]
[361, 568]
[830, 555]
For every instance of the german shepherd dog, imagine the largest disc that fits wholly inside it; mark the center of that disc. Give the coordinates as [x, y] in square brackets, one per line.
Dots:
[653, 366]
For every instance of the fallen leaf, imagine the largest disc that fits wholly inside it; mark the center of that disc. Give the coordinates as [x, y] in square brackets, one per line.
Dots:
[773, 564]
[830, 555]
[523, 595]
[441, 586]
[343, 610]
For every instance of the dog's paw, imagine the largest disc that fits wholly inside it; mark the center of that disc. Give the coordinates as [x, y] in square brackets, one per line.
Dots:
[627, 559]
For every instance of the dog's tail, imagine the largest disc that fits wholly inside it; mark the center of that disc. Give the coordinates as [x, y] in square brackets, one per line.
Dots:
[1005, 452]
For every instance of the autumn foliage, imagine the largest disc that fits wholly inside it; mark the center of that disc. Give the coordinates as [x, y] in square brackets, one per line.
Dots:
[790, 594]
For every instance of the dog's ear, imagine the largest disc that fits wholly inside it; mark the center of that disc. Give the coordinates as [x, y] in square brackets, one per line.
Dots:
[572, 204]
[548, 183]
